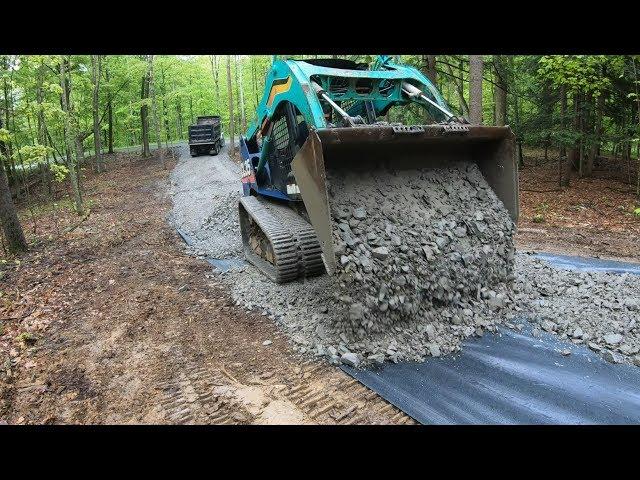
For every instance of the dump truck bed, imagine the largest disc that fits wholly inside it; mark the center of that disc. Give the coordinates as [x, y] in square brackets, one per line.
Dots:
[203, 134]
[206, 130]
[205, 137]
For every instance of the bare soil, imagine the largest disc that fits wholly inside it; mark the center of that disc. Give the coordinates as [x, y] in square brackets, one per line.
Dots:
[591, 217]
[111, 322]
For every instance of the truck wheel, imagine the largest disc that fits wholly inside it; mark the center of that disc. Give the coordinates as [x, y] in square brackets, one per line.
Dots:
[193, 152]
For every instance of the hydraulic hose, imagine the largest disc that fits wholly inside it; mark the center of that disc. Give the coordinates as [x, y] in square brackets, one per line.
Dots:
[266, 143]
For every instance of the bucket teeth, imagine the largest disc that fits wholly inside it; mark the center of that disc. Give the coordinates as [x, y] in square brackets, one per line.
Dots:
[292, 251]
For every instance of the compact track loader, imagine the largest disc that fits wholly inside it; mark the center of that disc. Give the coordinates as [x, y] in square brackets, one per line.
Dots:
[327, 116]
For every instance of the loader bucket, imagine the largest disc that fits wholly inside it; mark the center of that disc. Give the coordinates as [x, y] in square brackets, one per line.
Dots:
[364, 149]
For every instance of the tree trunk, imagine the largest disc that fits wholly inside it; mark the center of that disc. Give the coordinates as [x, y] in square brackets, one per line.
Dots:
[178, 117]
[232, 139]
[547, 112]
[95, 77]
[144, 112]
[500, 91]
[429, 68]
[79, 148]
[109, 113]
[192, 119]
[154, 106]
[237, 106]
[588, 171]
[241, 83]
[165, 111]
[42, 137]
[492, 82]
[11, 174]
[635, 74]
[516, 111]
[214, 73]
[254, 81]
[475, 89]
[8, 214]
[32, 138]
[71, 136]
[579, 129]
[77, 137]
[9, 217]
[563, 151]
[459, 84]
[572, 150]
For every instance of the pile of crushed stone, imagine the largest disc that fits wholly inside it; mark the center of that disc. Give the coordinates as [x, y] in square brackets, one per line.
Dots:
[599, 309]
[205, 193]
[548, 297]
[223, 225]
[425, 260]
[414, 241]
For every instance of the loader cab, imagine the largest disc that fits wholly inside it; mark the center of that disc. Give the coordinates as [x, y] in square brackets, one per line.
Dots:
[289, 131]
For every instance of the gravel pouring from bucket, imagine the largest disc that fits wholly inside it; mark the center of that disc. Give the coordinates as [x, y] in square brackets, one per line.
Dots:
[366, 149]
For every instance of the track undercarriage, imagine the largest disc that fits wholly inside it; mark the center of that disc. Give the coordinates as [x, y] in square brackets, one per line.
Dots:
[278, 241]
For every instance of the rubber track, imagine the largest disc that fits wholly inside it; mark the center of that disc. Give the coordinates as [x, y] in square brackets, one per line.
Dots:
[296, 249]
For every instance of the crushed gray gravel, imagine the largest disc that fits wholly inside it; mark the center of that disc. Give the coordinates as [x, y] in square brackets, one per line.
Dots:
[205, 192]
[599, 309]
[417, 246]
[448, 275]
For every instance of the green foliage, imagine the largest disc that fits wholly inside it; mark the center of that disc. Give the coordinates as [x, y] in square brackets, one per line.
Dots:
[541, 210]
[636, 212]
[33, 154]
[59, 171]
[580, 73]
[184, 89]
[26, 338]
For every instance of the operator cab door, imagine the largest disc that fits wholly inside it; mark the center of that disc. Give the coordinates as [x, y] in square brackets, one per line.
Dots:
[287, 137]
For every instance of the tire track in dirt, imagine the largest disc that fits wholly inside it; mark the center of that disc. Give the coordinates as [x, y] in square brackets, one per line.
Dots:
[291, 391]
[206, 396]
[191, 398]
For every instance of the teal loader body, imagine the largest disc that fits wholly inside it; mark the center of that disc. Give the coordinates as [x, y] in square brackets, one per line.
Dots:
[330, 114]
[290, 81]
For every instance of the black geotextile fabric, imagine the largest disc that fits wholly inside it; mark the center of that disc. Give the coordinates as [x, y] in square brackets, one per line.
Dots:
[515, 378]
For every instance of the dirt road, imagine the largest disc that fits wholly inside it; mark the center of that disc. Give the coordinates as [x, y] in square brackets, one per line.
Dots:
[138, 331]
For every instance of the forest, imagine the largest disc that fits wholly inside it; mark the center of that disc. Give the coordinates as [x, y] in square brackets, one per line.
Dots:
[579, 111]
